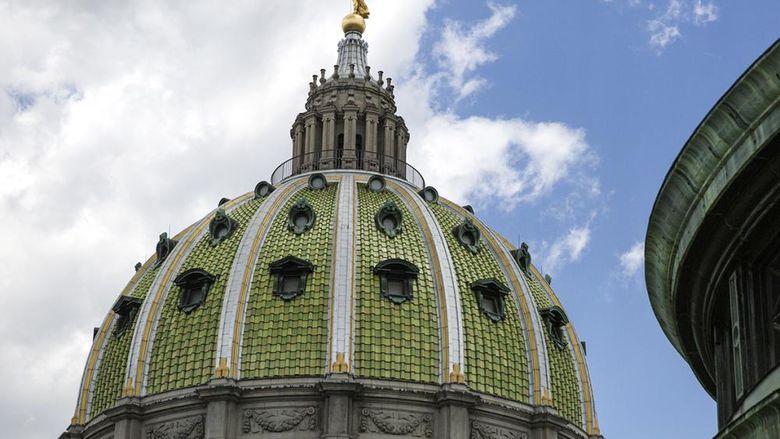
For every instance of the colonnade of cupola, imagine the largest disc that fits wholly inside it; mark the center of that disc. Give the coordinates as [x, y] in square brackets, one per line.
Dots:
[350, 120]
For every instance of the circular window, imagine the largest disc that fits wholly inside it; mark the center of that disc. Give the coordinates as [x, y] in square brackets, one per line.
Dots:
[430, 194]
[301, 217]
[317, 182]
[263, 189]
[468, 235]
[376, 184]
[389, 219]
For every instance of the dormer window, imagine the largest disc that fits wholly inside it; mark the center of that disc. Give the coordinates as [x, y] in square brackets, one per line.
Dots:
[263, 189]
[490, 295]
[468, 235]
[430, 194]
[126, 308]
[555, 319]
[301, 217]
[376, 183]
[396, 278]
[194, 285]
[522, 257]
[221, 227]
[389, 219]
[291, 274]
[164, 248]
[317, 182]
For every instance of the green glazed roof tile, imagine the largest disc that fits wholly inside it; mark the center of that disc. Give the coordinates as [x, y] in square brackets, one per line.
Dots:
[185, 344]
[290, 338]
[564, 380]
[486, 340]
[392, 341]
[111, 372]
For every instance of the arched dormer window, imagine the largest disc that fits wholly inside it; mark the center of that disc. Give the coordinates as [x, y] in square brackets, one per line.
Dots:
[555, 319]
[125, 308]
[490, 295]
[290, 274]
[194, 285]
[396, 278]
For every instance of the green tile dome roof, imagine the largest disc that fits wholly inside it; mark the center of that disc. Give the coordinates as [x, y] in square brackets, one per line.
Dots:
[284, 285]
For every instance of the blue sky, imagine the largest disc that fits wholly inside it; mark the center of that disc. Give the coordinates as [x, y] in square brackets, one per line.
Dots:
[556, 120]
[591, 65]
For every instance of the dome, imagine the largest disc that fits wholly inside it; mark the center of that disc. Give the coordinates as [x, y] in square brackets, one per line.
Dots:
[342, 299]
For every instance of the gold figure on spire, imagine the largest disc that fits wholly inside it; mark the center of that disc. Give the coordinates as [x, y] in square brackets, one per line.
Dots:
[359, 7]
[356, 21]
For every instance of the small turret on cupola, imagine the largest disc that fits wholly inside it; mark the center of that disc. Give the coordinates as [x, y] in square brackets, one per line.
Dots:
[350, 120]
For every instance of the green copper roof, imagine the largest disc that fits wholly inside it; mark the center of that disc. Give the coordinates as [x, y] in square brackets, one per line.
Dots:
[111, 373]
[290, 338]
[495, 351]
[268, 337]
[185, 344]
[393, 341]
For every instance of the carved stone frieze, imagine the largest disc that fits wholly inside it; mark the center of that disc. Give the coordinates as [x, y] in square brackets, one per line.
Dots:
[480, 430]
[188, 428]
[396, 423]
[280, 420]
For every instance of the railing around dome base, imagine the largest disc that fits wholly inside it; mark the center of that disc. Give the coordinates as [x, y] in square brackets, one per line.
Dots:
[348, 159]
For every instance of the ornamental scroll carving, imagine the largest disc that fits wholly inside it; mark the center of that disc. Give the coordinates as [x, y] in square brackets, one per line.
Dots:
[485, 431]
[189, 428]
[396, 423]
[280, 420]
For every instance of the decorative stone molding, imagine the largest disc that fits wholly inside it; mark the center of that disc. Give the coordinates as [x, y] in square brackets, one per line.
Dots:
[481, 430]
[189, 428]
[396, 423]
[279, 420]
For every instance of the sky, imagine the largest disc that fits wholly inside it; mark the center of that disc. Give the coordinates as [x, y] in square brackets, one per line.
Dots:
[556, 120]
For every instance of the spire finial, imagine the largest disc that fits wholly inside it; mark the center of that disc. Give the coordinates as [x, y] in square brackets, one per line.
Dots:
[356, 21]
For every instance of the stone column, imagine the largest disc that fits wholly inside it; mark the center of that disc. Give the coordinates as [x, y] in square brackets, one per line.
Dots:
[298, 147]
[388, 166]
[400, 147]
[338, 392]
[350, 132]
[546, 420]
[454, 402]
[372, 141]
[221, 397]
[328, 139]
[310, 136]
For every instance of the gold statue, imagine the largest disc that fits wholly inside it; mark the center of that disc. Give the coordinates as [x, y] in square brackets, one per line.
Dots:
[359, 7]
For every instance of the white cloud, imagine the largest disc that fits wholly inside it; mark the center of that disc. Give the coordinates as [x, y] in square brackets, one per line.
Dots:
[461, 49]
[566, 249]
[488, 160]
[704, 13]
[665, 28]
[119, 120]
[633, 259]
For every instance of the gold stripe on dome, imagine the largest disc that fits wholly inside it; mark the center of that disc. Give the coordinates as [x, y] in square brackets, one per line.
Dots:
[98, 344]
[184, 249]
[447, 375]
[533, 351]
[246, 283]
[591, 422]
